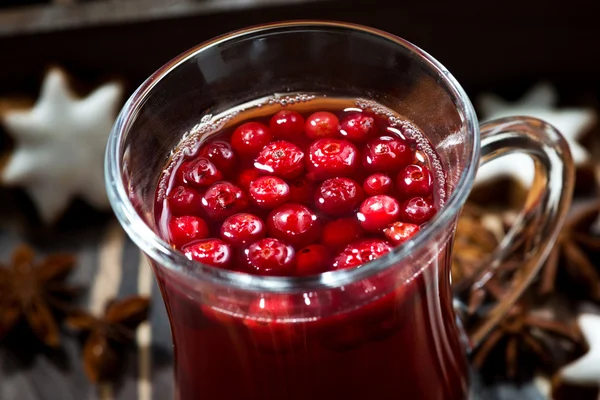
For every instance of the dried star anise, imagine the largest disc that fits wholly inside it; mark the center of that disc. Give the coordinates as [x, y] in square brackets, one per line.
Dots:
[108, 335]
[524, 339]
[35, 293]
[569, 261]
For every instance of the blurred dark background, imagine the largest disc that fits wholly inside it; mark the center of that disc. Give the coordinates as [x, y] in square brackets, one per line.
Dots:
[502, 46]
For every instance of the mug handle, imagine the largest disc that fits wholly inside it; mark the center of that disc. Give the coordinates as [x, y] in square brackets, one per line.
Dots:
[541, 219]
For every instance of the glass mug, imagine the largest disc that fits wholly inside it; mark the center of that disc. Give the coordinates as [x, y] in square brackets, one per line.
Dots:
[398, 335]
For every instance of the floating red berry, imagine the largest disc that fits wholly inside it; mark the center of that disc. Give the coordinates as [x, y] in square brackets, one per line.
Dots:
[414, 181]
[294, 224]
[337, 196]
[418, 210]
[281, 158]
[358, 127]
[269, 191]
[400, 232]
[270, 256]
[241, 229]
[200, 172]
[220, 153]
[322, 124]
[341, 232]
[184, 201]
[249, 139]
[213, 252]
[313, 259]
[224, 199]
[378, 184]
[387, 154]
[287, 124]
[330, 158]
[377, 212]
[246, 177]
[301, 191]
[183, 230]
[361, 252]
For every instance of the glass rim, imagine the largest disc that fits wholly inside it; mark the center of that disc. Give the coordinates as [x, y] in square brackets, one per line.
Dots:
[160, 251]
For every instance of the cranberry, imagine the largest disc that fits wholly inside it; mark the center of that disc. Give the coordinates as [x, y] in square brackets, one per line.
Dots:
[329, 158]
[361, 252]
[322, 124]
[378, 184]
[418, 210]
[270, 325]
[184, 201]
[200, 172]
[287, 124]
[413, 181]
[213, 252]
[185, 229]
[246, 177]
[269, 191]
[270, 256]
[400, 232]
[387, 154]
[281, 158]
[219, 152]
[224, 199]
[338, 196]
[377, 212]
[240, 229]
[312, 259]
[341, 232]
[301, 191]
[294, 224]
[358, 127]
[248, 139]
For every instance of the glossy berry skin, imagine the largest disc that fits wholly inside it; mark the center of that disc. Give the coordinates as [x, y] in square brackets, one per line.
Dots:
[322, 124]
[200, 172]
[386, 154]
[270, 256]
[302, 191]
[220, 153]
[246, 177]
[287, 124]
[188, 228]
[358, 127]
[414, 181]
[282, 159]
[400, 232]
[377, 212]
[418, 210]
[184, 201]
[241, 229]
[330, 158]
[361, 252]
[249, 139]
[341, 232]
[378, 184]
[294, 224]
[269, 191]
[224, 199]
[312, 259]
[338, 196]
[212, 252]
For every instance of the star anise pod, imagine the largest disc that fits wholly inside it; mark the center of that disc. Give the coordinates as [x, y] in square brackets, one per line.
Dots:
[521, 337]
[569, 261]
[108, 335]
[35, 293]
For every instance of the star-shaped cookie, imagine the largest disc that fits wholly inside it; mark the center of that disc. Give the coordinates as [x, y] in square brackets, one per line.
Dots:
[540, 102]
[60, 144]
[586, 370]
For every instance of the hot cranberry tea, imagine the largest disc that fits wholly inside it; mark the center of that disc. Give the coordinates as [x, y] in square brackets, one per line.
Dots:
[297, 187]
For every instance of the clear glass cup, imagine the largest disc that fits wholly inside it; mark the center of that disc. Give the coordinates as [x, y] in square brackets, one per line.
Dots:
[399, 333]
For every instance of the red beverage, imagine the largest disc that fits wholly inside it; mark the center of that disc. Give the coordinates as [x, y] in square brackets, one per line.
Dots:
[280, 188]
